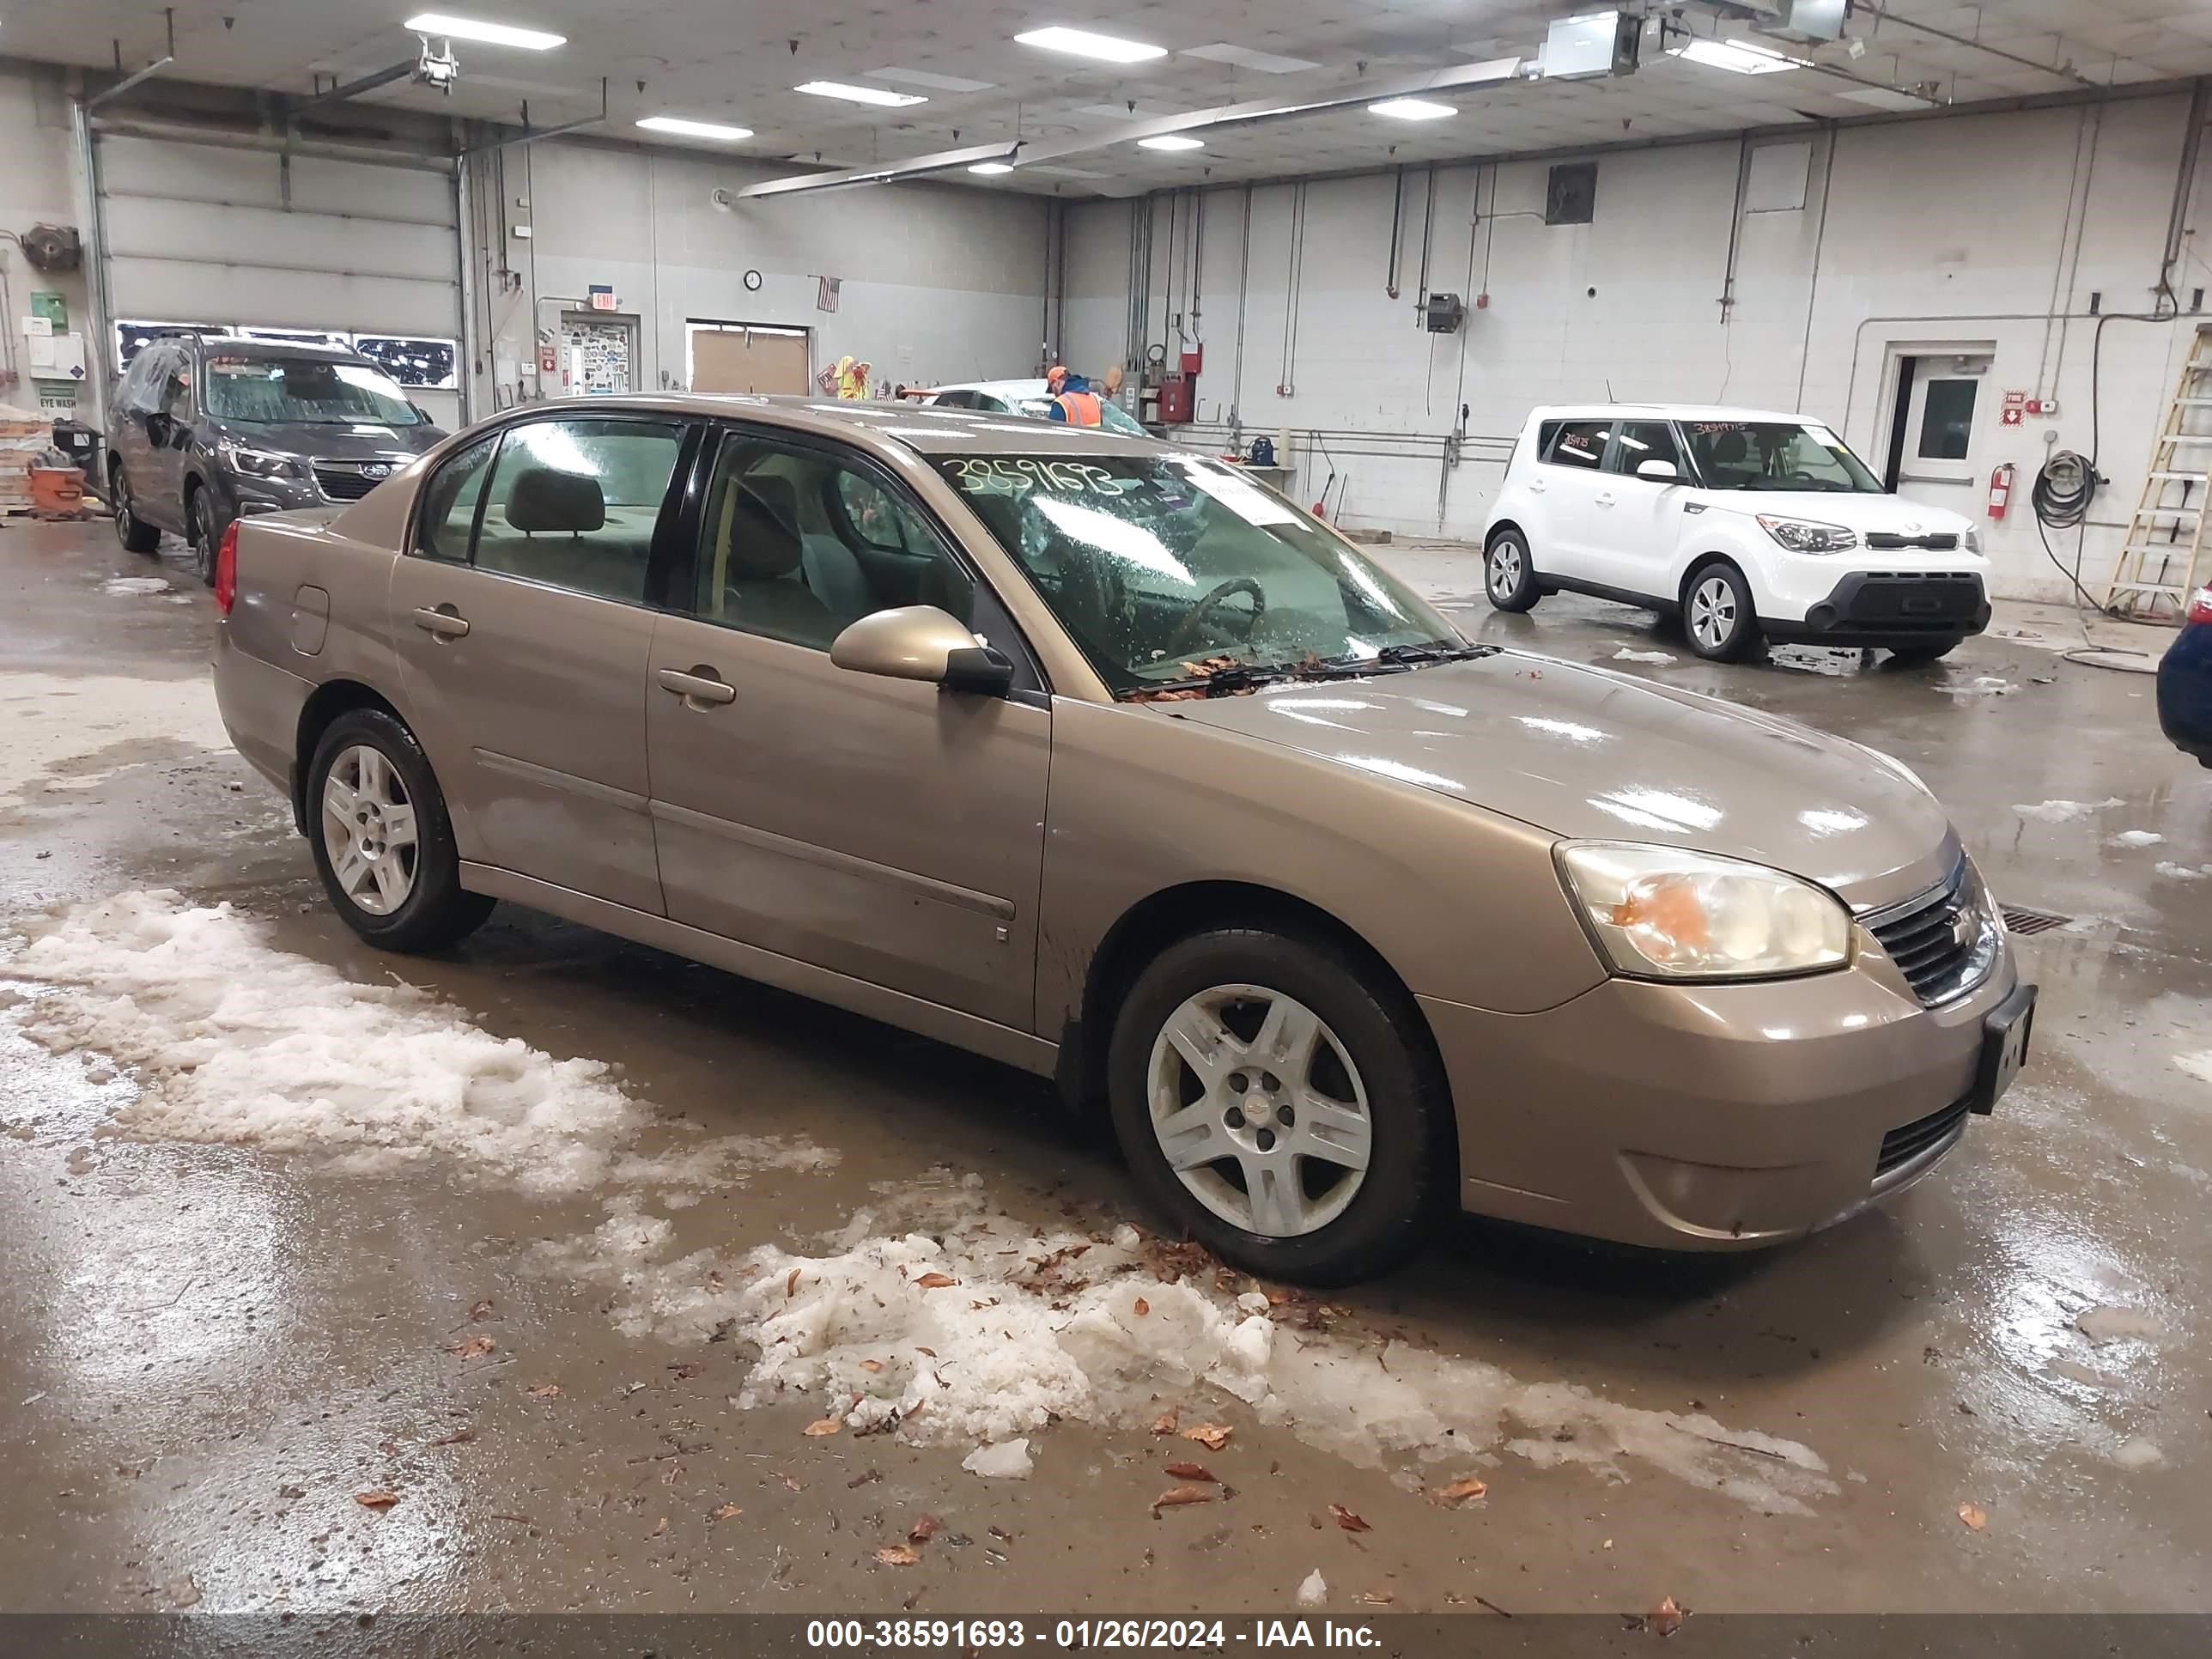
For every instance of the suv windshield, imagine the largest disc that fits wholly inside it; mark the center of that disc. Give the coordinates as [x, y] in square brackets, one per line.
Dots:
[1774, 455]
[1111, 415]
[1164, 567]
[304, 391]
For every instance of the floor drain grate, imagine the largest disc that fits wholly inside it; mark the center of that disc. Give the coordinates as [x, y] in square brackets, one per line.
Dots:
[2033, 921]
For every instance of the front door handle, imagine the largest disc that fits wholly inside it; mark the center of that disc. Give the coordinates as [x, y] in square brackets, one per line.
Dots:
[700, 686]
[1605, 501]
[1537, 486]
[445, 622]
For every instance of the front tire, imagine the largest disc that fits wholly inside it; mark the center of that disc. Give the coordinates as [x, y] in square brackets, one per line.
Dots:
[1281, 1105]
[382, 839]
[207, 534]
[135, 535]
[1509, 574]
[1718, 617]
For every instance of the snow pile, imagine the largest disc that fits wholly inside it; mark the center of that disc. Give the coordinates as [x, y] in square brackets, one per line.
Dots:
[1982, 685]
[1313, 1589]
[48, 721]
[1626, 655]
[984, 1330]
[122, 585]
[2137, 838]
[232, 1041]
[2065, 811]
[2182, 871]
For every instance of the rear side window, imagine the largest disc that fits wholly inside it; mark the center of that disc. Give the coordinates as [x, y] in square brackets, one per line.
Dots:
[1578, 443]
[448, 512]
[1642, 441]
[575, 503]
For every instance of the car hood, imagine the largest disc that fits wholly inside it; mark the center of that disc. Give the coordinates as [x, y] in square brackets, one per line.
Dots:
[1890, 514]
[362, 441]
[1589, 753]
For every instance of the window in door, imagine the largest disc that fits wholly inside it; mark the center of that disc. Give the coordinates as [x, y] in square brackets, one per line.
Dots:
[1644, 440]
[797, 544]
[1579, 443]
[447, 516]
[575, 503]
[1946, 420]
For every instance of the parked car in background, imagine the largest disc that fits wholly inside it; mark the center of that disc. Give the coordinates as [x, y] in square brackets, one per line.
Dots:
[1340, 919]
[1749, 525]
[1030, 398]
[208, 428]
[2184, 682]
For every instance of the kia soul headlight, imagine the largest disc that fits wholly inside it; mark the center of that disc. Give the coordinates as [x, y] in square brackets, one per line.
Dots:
[1668, 913]
[1808, 535]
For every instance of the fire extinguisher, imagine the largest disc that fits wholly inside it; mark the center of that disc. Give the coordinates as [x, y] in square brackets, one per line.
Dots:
[2000, 490]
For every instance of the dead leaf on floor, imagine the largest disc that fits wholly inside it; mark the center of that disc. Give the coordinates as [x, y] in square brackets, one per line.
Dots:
[1175, 1496]
[1379, 1598]
[458, 1438]
[931, 1352]
[482, 1310]
[687, 1370]
[865, 1478]
[1142, 1306]
[544, 1391]
[897, 1555]
[661, 1530]
[726, 1512]
[872, 1366]
[791, 1285]
[1461, 1492]
[474, 1347]
[924, 1530]
[671, 1474]
[1974, 1516]
[1665, 1618]
[1164, 1422]
[935, 1281]
[376, 1497]
[182, 1592]
[1212, 1435]
[1346, 1519]
[1191, 1472]
[821, 1425]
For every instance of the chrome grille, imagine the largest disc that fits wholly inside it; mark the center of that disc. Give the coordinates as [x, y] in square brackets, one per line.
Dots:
[349, 481]
[1944, 942]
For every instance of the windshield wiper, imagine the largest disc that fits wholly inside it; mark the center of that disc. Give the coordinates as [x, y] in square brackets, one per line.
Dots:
[1433, 651]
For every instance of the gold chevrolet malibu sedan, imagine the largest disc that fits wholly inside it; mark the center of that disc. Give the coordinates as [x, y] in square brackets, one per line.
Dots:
[1086, 753]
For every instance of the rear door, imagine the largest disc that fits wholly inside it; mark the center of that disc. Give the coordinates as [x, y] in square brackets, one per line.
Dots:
[882, 829]
[1567, 481]
[521, 616]
[1637, 521]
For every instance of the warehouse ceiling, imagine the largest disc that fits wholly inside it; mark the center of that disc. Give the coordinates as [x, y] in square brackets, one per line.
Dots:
[713, 61]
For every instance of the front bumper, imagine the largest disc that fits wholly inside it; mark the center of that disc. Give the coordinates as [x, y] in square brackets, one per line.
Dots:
[1891, 607]
[1711, 1117]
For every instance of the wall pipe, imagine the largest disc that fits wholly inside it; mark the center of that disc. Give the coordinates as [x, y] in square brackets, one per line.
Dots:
[146, 73]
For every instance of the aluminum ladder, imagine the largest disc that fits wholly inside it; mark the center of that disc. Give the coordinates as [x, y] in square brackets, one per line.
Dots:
[2162, 562]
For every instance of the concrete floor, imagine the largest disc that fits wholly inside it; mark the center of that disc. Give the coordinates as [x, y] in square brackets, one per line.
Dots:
[212, 1348]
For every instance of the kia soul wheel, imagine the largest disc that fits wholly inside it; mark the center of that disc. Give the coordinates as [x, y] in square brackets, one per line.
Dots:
[1281, 1110]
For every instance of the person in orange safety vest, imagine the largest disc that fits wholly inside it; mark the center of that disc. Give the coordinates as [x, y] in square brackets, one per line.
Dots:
[1074, 402]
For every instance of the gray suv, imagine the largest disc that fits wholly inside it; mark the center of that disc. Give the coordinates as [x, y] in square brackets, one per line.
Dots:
[206, 429]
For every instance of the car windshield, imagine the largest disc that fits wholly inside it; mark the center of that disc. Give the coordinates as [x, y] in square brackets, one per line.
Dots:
[304, 391]
[1111, 415]
[1166, 567]
[1776, 455]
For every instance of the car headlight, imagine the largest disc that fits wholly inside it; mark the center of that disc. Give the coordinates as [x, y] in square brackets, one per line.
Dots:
[1807, 535]
[1668, 913]
[263, 463]
[1971, 541]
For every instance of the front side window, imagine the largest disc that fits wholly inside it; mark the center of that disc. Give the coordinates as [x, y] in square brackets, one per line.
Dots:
[1774, 455]
[575, 503]
[1579, 444]
[1154, 563]
[304, 391]
[1644, 440]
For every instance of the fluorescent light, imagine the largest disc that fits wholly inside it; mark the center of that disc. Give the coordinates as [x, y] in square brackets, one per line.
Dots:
[1083, 44]
[1411, 109]
[495, 34]
[861, 95]
[689, 129]
[930, 78]
[992, 167]
[1171, 141]
[1739, 56]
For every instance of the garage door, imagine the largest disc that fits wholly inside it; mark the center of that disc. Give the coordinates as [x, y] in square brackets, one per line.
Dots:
[256, 243]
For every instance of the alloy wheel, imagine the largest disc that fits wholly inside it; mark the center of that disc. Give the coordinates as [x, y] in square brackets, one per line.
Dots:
[1713, 613]
[1505, 570]
[1259, 1110]
[369, 830]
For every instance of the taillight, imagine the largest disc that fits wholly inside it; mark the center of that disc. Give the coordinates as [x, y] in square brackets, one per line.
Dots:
[2200, 606]
[225, 570]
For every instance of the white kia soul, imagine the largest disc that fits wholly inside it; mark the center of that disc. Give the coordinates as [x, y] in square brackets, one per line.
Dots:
[1750, 526]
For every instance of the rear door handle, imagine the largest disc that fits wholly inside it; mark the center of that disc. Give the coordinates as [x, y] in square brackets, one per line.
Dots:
[701, 684]
[1537, 486]
[1605, 501]
[445, 622]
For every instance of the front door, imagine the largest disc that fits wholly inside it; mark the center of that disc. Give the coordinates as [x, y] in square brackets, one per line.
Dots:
[881, 828]
[1639, 520]
[520, 620]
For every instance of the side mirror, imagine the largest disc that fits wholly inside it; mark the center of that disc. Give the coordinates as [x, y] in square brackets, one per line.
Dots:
[1658, 471]
[921, 642]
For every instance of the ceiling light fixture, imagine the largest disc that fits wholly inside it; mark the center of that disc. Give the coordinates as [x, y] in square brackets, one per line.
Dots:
[1171, 141]
[1739, 56]
[861, 95]
[492, 34]
[992, 168]
[1083, 43]
[687, 128]
[1412, 109]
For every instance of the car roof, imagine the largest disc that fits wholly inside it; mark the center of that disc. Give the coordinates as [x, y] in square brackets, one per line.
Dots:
[1034, 387]
[930, 430]
[232, 345]
[1662, 412]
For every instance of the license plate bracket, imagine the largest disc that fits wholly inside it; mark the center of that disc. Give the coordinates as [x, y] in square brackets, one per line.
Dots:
[2005, 1035]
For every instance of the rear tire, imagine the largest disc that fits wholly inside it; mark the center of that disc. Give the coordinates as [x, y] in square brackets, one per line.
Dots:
[1919, 656]
[1509, 574]
[382, 839]
[1367, 1084]
[207, 534]
[135, 535]
[1719, 619]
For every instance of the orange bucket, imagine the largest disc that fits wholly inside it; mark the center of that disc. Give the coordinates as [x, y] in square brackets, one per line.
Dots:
[56, 490]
